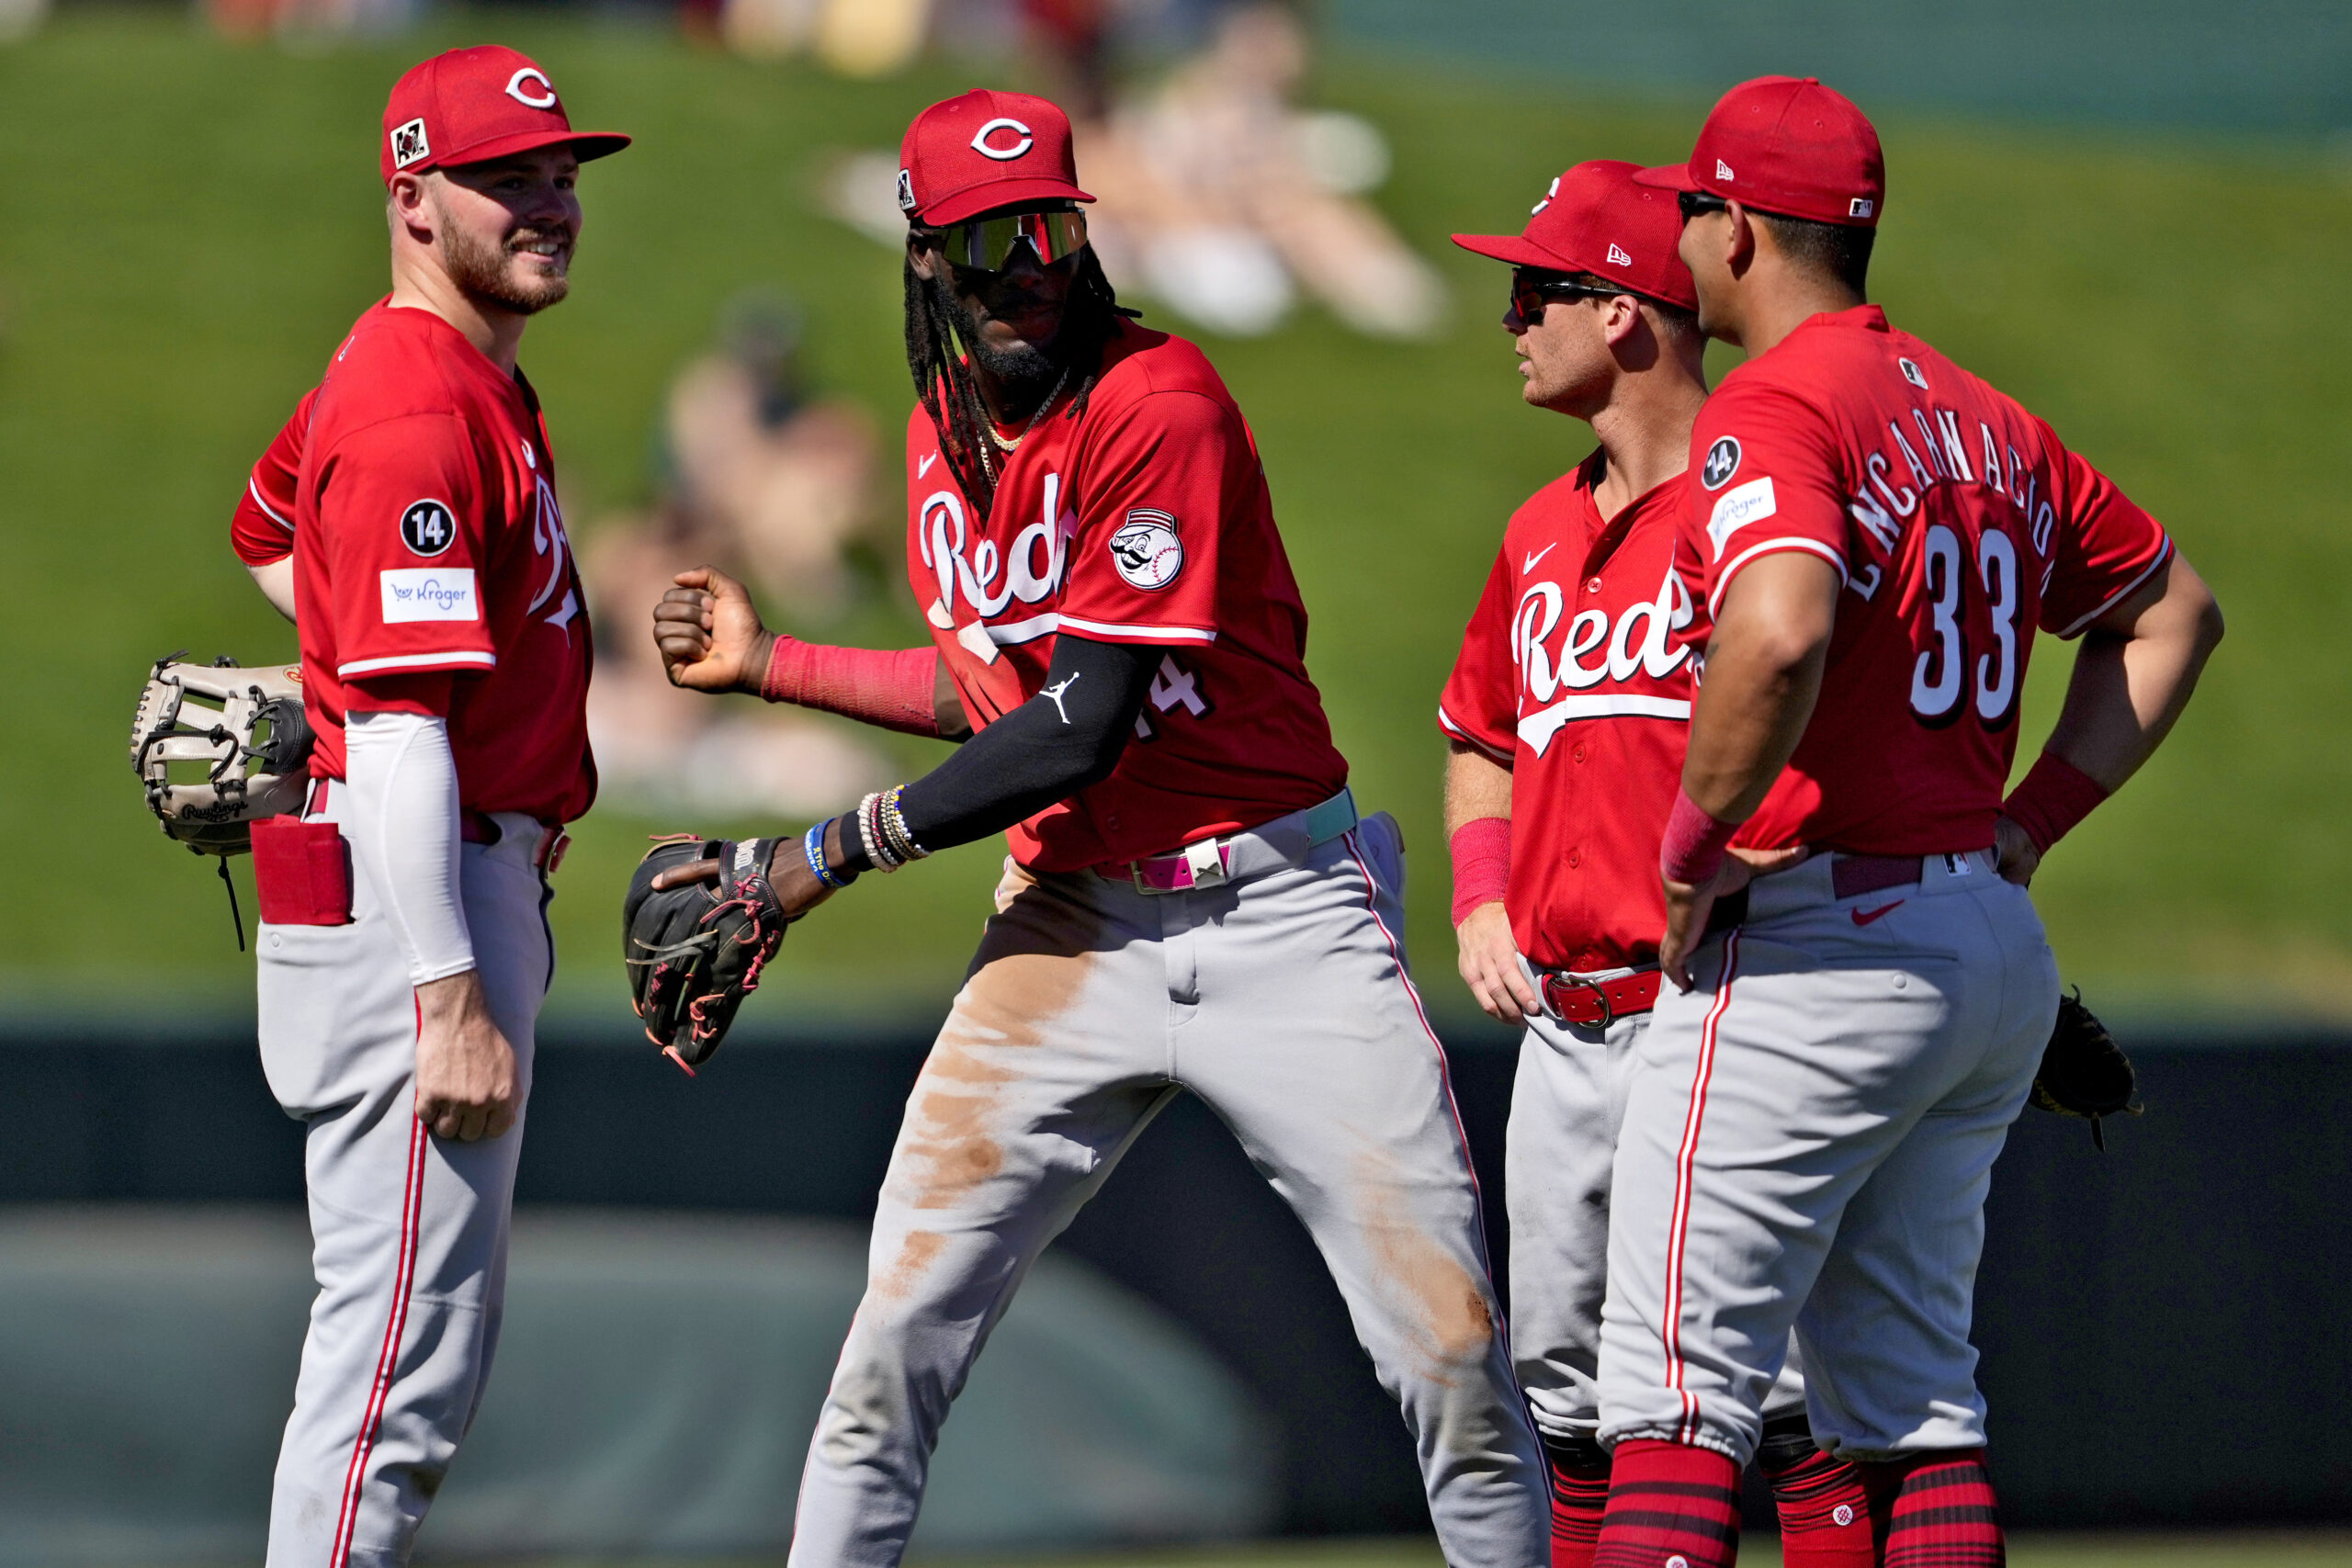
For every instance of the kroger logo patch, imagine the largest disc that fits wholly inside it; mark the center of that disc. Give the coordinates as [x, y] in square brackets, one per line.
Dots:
[1740, 505]
[429, 594]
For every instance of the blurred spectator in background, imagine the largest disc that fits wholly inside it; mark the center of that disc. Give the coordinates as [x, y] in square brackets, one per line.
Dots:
[304, 20]
[1218, 193]
[774, 485]
[854, 38]
[1219, 197]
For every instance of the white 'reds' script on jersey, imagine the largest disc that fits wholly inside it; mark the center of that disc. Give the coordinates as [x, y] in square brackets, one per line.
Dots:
[1640, 644]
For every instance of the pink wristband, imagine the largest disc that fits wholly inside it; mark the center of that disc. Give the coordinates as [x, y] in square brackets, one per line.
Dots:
[1481, 849]
[2054, 796]
[890, 687]
[1694, 842]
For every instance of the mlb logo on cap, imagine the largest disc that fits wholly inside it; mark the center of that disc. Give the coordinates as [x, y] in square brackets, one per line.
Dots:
[985, 149]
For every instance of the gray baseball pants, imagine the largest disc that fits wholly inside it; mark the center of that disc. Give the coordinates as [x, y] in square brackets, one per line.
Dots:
[1282, 999]
[1567, 1108]
[409, 1231]
[1808, 1144]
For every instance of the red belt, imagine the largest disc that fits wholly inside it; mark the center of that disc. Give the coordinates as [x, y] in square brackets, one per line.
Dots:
[1599, 1003]
[1851, 877]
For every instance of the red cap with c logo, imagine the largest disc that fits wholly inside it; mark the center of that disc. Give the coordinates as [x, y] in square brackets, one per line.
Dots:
[1595, 219]
[1792, 147]
[472, 105]
[985, 149]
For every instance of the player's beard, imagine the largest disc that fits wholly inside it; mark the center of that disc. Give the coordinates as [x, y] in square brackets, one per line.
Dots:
[1025, 372]
[482, 270]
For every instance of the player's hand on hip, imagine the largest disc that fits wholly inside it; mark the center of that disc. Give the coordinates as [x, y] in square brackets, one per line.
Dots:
[1489, 960]
[2015, 851]
[467, 1085]
[709, 634]
[1688, 907]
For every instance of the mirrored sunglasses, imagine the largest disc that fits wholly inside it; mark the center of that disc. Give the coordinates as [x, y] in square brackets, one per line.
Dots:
[985, 244]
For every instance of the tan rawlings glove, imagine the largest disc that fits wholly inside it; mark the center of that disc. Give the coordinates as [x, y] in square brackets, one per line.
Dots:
[217, 747]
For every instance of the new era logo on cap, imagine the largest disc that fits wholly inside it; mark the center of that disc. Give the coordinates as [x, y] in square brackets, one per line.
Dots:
[1597, 218]
[410, 144]
[1806, 151]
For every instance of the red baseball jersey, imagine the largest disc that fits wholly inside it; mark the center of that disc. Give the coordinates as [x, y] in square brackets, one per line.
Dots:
[262, 530]
[1576, 675]
[1958, 523]
[427, 538]
[1145, 521]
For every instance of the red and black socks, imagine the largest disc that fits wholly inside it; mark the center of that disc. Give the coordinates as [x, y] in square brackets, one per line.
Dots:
[1670, 1506]
[1825, 1510]
[1936, 1510]
[1579, 1468]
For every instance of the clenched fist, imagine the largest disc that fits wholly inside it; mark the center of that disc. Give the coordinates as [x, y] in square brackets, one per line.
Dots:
[709, 634]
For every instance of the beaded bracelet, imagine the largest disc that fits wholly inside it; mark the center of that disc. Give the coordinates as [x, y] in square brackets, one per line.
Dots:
[894, 827]
[870, 836]
[812, 845]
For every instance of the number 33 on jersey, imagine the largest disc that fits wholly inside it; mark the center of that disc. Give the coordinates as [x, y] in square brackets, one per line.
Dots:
[1958, 525]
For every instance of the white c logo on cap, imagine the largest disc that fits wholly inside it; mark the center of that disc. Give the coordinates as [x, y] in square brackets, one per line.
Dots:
[1002, 154]
[531, 74]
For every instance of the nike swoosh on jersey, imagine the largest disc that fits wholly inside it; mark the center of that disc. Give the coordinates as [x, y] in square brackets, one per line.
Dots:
[1864, 917]
[1529, 564]
[924, 466]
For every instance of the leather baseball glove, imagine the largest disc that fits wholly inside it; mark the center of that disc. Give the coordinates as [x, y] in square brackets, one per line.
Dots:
[2084, 1072]
[695, 951]
[218, 747]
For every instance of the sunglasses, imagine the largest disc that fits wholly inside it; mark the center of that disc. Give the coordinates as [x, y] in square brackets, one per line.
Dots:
[985, 244]
[1698, 203]
[1532, 290]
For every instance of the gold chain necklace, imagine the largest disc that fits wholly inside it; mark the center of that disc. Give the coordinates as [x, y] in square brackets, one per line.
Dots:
[1035, 419]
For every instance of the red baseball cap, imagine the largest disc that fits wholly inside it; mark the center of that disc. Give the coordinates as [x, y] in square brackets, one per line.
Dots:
[472, 105]
[1792, 147]
[1595, 219]
[967, 155]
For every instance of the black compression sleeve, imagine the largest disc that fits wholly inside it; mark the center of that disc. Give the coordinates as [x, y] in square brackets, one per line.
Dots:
[1066, 737]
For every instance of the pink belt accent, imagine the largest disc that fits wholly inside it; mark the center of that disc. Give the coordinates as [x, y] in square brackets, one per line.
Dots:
[1208, 864]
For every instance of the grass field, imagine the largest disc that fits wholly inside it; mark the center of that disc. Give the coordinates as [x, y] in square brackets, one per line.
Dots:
[186, 227]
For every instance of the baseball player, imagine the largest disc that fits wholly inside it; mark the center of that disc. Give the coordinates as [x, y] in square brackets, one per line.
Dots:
[1873, 537]
[1566, 715]
[408, 514]
[1191, 901]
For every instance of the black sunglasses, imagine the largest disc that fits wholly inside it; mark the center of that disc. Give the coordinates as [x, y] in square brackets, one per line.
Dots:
[1531, 289]
[1696, 203]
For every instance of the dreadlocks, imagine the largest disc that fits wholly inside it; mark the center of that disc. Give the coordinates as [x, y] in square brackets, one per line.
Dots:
[943, 371]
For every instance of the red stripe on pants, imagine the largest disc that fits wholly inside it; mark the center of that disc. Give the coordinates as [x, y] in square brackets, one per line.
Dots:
[1678, 1225]
[387, 1360]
